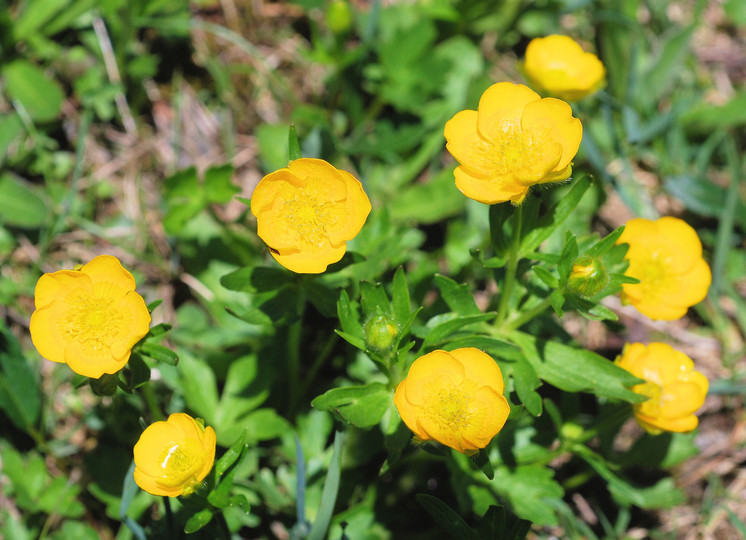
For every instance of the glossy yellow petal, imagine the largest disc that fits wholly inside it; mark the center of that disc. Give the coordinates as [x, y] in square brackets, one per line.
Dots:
[437, 367]
[357, 209]
[108, 269]
[279, 185]
[489, 190]
[133, 321]
[310, 262]
[480, 366]
[149, 484]
[46, 333]
[501, 107]
[91, 359]
[52, 286]
[466, 145]
[550, 121]
[320, 179]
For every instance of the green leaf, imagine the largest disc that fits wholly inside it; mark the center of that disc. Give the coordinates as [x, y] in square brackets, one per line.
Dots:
[526, 382]
[447, 518]
[482, 462]
[577, 370]
[374, 299]
[442, 198]
[293, 144]
[232, 454]
[39, 94]
[400, 300]
[666, 68]
[137, 372]
[35, 15]
[458, 297]
[329, 492]
[527, 488]
[21, 205]
[199, 386]
[441, 332]
[555, 216]
[706, 118]
[349, 319]
[218, 184]
[20, 396]
[255, 279]
[549, 279]
[360, 406]
[198, 520]
[11, 129]
[159, 353]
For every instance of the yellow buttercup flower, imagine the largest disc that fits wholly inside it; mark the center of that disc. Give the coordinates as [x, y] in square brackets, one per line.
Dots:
[455, 398]
[513, 141]
[307, 211]
[89, 318]
[173, 457]
[666, 256]
[674, 387]
[558, 66]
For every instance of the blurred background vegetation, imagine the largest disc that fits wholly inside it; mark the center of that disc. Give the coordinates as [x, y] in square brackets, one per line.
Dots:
[129, 126]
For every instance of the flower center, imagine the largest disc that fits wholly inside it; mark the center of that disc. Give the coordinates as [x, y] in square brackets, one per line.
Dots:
[653, 271]
[92, 320]
[180, 463]
[449, 408]
[512, 150]
[309, 217]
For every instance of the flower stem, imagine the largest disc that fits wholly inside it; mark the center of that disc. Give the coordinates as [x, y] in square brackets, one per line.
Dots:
[295, 335]
[511, 268]
[525, 316]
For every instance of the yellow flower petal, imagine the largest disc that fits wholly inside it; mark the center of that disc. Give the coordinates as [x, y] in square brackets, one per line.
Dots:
[552, 119]
[479, 366]
[108, 269]
[310, 262]
[501, 106]
[90, 360]
[487, 190]
[52, 286]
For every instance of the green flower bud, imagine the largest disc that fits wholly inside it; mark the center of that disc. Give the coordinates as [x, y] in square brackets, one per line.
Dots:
[588, 276]
[571, 431]
[380, 332]
[339, 16]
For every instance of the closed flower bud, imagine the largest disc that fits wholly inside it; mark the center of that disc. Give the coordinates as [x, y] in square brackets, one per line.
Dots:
[588, 276]
[380, 332]
[339, 16]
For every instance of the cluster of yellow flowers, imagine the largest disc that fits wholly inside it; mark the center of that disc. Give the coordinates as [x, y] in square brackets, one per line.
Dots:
[91, 317]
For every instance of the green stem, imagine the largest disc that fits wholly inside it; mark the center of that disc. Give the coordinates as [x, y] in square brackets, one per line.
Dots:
[525, 316]
[295, 335]
[512, 267]
[152, 403]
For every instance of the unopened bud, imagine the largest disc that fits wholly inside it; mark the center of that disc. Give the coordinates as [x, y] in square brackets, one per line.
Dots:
[588, 276]
[339, 16]
[380, 332]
